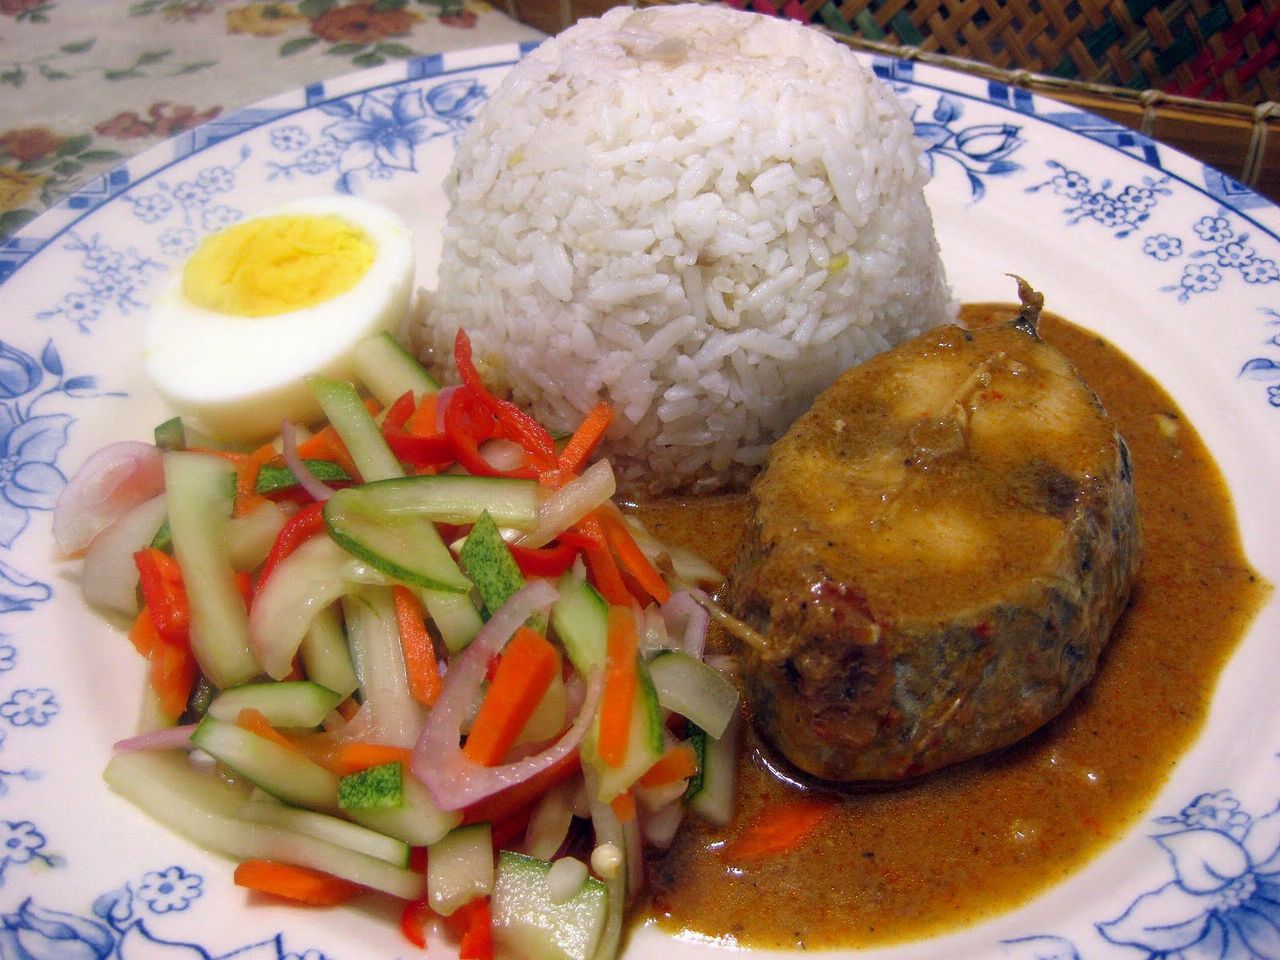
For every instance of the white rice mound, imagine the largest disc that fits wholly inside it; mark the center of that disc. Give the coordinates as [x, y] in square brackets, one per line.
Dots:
[699, 215]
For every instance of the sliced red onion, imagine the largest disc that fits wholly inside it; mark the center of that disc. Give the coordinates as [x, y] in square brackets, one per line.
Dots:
[166, 738]
[503, 454]
[725, 663]
[575, 695]
[687, 619]
[110, 483]
[659, 826]
[653, 630]
[442, 404]
[315, 488]
[454, 780]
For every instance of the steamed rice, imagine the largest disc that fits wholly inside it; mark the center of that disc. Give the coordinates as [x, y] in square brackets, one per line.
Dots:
[696, 214]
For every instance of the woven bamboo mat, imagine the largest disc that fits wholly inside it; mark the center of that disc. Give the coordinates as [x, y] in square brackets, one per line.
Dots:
[1200, 75]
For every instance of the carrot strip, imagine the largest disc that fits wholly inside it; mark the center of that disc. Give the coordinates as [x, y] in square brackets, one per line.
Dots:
[419, 649]
[777, 829]
[256, 723]
[354, 756]
[632, 557]
[300, 884]
[336, 450]
[527, 667]
[621, 680]
[678, 763]
[584, 440]
[510, 801]
[624, 806]
[423, 421]
[316, 445]
[600, 562]
[247, 497]
[244, 587]
[172, 674]
[143, 634]
[327, 445]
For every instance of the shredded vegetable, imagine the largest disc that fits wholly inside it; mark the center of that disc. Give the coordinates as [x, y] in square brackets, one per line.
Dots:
[469, 685]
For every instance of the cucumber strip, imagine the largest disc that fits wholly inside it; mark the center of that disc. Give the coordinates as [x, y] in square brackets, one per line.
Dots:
[485, 558]
[694, 690]
[710, 793]
[460, 868]
[347, 414]
[202, 695]
[418, 821]
[305, 582]
[275, 478]
[293, 703]
[531, 924]
[645, 743]
[109, 577]
[698, 740]
[285, 774]
[326, 658]
[374, 788]
[171, 435]
[608, 830]
[451, 498]
[455, 616]
[388, 369]
[407, 549]
[203, 808]
[197, 486]
[324, 827]
[151, 715]
[250, 537]
[388, 714]
[580, 620]
[163, 540]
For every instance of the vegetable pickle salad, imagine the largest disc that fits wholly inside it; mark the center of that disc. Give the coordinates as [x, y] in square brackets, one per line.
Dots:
[419, 652]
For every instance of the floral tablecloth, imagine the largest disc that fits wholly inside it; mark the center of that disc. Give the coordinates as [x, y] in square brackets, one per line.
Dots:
[86, 83]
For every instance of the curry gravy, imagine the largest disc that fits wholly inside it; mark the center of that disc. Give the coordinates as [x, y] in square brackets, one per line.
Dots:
[980, 838]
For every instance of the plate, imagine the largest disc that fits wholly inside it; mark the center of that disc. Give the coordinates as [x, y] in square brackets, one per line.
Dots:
[1176, 264]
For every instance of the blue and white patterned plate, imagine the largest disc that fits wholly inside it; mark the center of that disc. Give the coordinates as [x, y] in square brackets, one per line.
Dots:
[1176, 264]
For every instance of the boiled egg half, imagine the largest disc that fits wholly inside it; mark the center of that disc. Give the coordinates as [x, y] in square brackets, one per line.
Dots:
[263, 304]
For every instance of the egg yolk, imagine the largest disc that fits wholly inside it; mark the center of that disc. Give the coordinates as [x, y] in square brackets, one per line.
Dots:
[277, 264]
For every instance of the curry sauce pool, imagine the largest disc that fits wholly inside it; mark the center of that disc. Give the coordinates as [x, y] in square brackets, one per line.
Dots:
[978, 839]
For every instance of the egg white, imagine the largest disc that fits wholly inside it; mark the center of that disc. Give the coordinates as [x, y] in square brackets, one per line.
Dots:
[237, 377]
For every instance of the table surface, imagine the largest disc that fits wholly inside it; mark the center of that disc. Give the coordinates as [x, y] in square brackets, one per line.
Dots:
[85, 84]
